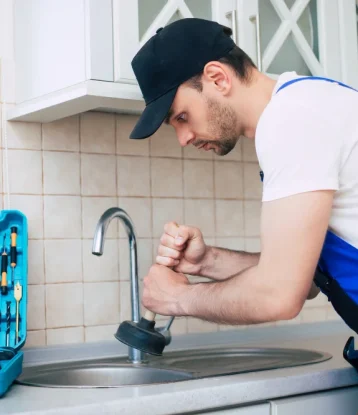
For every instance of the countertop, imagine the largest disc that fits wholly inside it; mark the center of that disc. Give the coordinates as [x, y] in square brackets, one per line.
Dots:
[193, 395]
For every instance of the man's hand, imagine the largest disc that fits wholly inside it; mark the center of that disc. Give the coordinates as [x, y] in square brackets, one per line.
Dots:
[163, 291]
[183, 248]
[293, 232]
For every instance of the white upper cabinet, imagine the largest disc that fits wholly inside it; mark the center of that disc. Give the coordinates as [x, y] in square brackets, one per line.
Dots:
[140, 19]
[61, 43]
[72, 56]
[306, 36]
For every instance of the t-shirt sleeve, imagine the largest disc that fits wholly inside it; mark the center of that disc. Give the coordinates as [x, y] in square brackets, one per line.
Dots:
[298, 150]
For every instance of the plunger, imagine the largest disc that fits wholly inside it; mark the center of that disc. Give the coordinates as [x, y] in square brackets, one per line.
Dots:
[142, 335]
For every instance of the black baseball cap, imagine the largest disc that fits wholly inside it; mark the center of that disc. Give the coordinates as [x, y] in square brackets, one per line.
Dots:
[172, 56]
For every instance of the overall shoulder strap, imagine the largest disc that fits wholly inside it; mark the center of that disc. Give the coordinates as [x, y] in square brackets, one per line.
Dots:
[312, 78]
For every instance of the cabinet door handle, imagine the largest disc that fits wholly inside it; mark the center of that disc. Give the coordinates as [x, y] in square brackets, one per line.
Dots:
[256, 19]
[232, 14]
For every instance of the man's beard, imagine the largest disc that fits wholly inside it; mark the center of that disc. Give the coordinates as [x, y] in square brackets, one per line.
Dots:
[222, 123]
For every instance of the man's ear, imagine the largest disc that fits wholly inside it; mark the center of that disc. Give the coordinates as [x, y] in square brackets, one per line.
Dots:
[219, 75]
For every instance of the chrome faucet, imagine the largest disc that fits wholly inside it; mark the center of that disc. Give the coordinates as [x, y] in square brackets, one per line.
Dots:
[134, 355]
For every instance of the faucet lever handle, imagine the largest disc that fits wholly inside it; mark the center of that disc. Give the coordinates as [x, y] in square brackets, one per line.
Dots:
[165, 331]
[170, 322]
[150, 316]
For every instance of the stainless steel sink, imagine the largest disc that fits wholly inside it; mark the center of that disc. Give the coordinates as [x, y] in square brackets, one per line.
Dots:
[98, 375]
[172, 367]
[213, 362]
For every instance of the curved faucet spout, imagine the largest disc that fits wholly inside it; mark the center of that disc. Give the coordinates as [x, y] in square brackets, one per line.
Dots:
[135, 355]
[104, 221]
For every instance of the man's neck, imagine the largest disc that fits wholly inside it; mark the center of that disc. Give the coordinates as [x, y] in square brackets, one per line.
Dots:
[257, 96]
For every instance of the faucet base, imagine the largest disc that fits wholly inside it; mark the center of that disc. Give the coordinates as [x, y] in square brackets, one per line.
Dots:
[141, 336]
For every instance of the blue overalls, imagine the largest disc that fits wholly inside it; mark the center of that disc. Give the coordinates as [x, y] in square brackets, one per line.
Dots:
[337, 269]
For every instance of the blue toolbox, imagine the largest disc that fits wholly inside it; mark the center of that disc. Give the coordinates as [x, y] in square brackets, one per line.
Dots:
[13, 295]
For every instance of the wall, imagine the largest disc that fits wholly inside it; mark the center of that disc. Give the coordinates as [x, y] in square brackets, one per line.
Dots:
[65, 174]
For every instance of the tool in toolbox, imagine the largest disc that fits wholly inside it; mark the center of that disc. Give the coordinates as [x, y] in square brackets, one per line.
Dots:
[8, 322]
[13, 251]
[13, 295]
[4, 263]
[18, 296]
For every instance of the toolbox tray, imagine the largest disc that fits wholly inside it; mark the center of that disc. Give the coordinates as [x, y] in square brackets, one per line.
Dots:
[10, 369]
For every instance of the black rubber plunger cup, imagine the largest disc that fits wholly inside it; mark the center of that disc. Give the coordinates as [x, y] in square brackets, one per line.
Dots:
[142, 335]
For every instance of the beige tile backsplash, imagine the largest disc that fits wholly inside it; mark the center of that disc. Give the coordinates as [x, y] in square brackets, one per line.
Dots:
[133, 176]
[98, 175]
[94, 125]
[33, 207]
[69, 269]
[62, 217]
[166, 177]
[17, 131]
[201, 214]
[61, 135]
[229, 180]
[25, 180]
[198, 179]
[63, 175]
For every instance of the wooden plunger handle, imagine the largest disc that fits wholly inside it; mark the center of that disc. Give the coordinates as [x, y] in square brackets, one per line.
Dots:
[149, 315]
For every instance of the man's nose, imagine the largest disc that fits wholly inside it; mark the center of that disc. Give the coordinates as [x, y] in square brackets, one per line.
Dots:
[184, 137]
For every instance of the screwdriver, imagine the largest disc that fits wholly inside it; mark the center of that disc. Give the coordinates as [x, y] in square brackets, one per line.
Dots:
[13, 252]
[18, 296]
[8, 318]
[4, 262]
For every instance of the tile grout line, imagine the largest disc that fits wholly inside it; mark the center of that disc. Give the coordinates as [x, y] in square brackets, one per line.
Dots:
[153, 256]
[183, 184]
[117, 239]
[2, 152]
[43, 225]
[214, 209]
[214, 201]
[243, 194]
[6, 171]
[119, 196]
[251, 199]
[81, 224]
[183, 159]
[127, 155]
[182, 156]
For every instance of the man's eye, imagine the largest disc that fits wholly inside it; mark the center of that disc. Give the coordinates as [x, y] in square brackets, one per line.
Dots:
[181, 118]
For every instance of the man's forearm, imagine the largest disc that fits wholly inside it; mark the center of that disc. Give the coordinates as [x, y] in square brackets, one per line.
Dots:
[221, 263]
[242, 299]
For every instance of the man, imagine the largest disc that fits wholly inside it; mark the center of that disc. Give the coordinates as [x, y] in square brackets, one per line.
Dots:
[196, 79]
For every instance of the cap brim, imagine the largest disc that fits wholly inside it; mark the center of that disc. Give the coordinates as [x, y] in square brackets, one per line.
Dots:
[153, 116]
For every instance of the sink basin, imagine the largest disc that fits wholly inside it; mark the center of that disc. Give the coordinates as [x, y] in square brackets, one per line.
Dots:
[239, 360]
[172, 367]
[100, 375]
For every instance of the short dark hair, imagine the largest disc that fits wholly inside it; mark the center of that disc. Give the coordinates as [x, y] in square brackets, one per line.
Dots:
[237, 59]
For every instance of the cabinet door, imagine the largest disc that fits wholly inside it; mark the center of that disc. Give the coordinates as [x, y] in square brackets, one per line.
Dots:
[291, 35]
[263, 409]
[49, 43]
[348, 20]
[136, 21]
[344, 401]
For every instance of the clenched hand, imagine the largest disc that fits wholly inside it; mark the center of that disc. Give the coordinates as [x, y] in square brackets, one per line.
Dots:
[182, 248]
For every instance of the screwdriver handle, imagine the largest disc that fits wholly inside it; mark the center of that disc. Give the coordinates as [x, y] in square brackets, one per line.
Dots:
[13, 252]
[4, 263]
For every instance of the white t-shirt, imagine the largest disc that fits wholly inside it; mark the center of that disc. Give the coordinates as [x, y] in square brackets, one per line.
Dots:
[307, 139]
